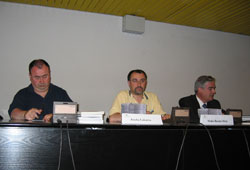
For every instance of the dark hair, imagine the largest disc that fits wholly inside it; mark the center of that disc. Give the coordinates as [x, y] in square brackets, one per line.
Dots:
[136, 71]
[201, 81]
[39, 63]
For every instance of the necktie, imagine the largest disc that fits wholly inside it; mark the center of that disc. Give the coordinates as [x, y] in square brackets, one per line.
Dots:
[204, 106]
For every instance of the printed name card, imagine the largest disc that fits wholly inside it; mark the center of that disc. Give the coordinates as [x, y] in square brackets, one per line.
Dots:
[141, 119]
[217, 119]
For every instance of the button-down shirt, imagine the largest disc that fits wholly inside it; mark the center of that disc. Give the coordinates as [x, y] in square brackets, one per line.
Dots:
[200, 102]
[150, 99]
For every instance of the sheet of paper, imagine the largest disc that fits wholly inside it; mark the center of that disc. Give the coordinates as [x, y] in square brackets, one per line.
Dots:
[134, 108]
[209, 112]
[141, 119]
[217, 120]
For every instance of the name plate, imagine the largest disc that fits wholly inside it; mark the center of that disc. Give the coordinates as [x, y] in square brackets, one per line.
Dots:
[217, 119]
[141, 119]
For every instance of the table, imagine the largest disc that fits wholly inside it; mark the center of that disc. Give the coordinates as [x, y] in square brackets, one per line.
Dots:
[36, 145]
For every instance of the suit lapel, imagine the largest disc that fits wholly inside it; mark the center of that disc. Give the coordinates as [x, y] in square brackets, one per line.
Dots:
[196, 103]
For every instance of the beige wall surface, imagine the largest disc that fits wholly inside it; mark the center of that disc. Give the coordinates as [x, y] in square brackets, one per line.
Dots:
[90, 57]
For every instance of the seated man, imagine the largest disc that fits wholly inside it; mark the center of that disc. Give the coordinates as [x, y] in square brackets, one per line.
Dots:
[36, 100]
[204, 97]
[137, 82]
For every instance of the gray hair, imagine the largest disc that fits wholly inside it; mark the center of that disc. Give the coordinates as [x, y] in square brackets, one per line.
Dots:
[201, 81]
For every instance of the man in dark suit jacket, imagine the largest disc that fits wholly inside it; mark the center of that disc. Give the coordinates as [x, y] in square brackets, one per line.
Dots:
[204, 97]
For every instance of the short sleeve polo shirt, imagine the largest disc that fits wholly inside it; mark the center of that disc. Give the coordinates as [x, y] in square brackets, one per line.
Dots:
[26, 99]
[150, 99]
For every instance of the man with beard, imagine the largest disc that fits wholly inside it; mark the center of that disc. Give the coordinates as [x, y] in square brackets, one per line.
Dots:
[137, 82]
[36, 100]
[204, 89]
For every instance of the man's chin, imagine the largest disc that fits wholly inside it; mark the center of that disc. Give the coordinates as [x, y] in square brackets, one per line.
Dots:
[139, 93]
[42, 89]
[211, 98]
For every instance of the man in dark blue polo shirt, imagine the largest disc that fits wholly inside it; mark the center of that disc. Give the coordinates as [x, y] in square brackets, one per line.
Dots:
[36, 100]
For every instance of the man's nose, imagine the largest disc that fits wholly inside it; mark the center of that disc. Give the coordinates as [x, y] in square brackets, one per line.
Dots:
[41, 80]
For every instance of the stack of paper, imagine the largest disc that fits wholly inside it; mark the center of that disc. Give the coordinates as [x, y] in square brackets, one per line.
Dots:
[134, 108]
[209, 111]
[90, 117]
[246, 118]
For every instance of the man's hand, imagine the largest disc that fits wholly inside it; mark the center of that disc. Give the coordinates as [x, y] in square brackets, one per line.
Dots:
[32, 114]
[165, 116]
[115, 118]
[47, 117]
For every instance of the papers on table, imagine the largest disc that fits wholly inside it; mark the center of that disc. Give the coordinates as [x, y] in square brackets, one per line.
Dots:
[90, 117]
[246, 118]
[217, 120]
[214, 117]
[209, 112]
[141, 119]
[135, 114]
[134, 108]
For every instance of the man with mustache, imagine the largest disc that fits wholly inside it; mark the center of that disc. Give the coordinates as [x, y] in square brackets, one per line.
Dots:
[204, 89]
[36, 100]
[137, 82]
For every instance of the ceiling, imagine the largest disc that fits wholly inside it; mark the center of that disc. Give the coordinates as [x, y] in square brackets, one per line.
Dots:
[222, 15]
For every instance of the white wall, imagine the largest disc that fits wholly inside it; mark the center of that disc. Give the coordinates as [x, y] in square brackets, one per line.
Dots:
[90, 56]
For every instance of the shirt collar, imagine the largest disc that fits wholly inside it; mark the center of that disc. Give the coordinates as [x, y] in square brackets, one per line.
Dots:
[31, 88]
[199, 101]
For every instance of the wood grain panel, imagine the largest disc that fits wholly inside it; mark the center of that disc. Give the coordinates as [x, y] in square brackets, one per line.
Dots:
[222, 15]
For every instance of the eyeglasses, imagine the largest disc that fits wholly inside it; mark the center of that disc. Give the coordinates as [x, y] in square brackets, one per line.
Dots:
[138, 81]
[41, 77]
